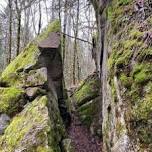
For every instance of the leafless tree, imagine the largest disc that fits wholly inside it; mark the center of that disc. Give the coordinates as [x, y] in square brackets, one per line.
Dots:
[10, 32]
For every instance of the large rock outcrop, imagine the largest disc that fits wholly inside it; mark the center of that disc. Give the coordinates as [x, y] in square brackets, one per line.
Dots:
[126, 74]
[32, 97]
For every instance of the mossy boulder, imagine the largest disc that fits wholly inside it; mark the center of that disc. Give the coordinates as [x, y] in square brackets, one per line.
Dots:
[36, 126]
[11, 100]
[88, 90]
[27, 59]
[30, 130]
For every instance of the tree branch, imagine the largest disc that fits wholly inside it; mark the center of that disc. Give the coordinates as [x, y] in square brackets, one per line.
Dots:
[77, 38]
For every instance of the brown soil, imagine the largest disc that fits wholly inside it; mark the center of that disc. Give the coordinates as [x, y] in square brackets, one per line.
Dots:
[81, 138]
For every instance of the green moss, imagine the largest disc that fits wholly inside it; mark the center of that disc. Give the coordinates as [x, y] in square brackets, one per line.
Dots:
[121, 55]
[12, 79]
[123, 60]
[129, 44]
[29, 56]
[115, 13]
[52, 27]
[145, 54]
[126, 81]
[116, 52]
[130, 61]
[142, 116]
[44, 149]
[110, 12]
[134, 93]
[144, 109]
[124, 2]
[87, 112]
[148, 87]
[142, 73]
[29, 130]
[10, 100]
[136, 34]
[88, 90]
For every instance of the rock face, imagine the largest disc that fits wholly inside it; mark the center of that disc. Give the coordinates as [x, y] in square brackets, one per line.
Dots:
[30, 94]
[126, 75]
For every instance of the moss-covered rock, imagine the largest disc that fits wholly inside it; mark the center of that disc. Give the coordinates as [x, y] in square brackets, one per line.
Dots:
[36, 126]
[35, 77]
[11, 100]
[129, 61]
[86, 100]
[88, 111]
[142, 117]
[27, 59]
[30, 130]
[88, 90]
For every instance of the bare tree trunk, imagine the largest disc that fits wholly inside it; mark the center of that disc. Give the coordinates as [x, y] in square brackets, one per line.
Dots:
[52, 10]
[18, 34]
[60, 10]
[33, 21]
[18, 27]
[40, 18]
[75, 47]
[26, 26]
[10, 32]
[46, 8]
[64, 30]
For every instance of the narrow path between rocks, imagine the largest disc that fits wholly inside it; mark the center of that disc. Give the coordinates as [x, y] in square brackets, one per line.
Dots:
[81, 138]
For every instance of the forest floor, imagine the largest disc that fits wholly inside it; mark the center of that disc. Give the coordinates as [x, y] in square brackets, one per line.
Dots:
[81, 138]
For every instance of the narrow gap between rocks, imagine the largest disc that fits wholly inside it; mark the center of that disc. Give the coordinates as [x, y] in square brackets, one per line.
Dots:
[82, 140]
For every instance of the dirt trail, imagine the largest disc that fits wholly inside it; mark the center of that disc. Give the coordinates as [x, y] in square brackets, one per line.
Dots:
[81, 137]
